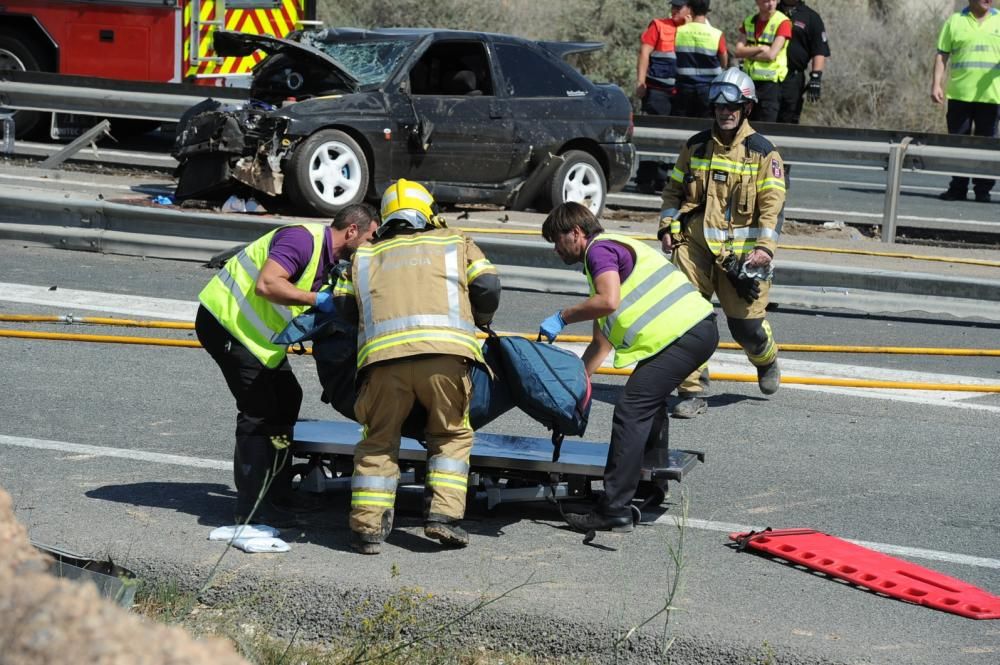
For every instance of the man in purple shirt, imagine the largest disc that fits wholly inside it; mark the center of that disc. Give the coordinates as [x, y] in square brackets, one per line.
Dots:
[268, 396]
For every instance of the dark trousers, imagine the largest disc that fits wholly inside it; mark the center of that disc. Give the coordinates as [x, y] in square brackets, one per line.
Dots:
[267, 403]
[790, 97]
[640, 414]
[768, 101]
[658, 101]
[691, 103]
[977, 119]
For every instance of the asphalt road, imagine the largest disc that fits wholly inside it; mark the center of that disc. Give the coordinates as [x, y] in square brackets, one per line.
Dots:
[906, 469]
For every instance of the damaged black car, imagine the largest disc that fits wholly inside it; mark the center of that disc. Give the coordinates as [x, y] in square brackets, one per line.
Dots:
[336, 115]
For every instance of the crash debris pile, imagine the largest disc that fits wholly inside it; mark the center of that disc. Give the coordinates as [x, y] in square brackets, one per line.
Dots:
[46, 620]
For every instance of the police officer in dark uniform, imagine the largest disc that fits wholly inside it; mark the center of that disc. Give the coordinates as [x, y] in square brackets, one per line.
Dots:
[807, 49]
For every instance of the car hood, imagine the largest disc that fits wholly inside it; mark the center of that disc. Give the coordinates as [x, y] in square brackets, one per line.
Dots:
[240, 44]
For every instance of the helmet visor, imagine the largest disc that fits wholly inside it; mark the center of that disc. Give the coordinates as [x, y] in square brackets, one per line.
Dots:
[724, 93]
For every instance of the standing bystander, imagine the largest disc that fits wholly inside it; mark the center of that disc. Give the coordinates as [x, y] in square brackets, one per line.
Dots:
[808, 49]
[763, 46]
[656, 68]
[969, 46]
[701, 56]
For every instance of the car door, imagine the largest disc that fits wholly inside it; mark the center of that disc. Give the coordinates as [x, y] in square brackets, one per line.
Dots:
[548, 102]
[457, 129]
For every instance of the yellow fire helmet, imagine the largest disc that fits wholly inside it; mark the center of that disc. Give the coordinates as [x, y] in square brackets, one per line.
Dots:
[408, 203]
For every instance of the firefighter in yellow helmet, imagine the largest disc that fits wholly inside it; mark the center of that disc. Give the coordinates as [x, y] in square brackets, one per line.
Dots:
[418, 291]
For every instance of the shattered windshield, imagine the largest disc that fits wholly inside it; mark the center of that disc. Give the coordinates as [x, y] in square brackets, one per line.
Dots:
[370, 62]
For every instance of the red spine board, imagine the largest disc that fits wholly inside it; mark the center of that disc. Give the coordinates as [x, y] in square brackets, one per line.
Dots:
[873, 570]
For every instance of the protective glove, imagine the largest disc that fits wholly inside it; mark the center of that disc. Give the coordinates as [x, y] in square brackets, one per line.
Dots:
[815, 87]
[552, 326]
[324, 301]
[746, 287]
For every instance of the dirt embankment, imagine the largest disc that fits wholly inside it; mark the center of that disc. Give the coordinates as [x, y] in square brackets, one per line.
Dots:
[45, 620]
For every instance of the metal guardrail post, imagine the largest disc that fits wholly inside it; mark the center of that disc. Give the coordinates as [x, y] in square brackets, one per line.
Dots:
[893, 178]
[87, 137]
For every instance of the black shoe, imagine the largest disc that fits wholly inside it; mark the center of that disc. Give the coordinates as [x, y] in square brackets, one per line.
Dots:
[952, 195]
[983, 197]
[448, 534]
[365, 543]
[270, 515]
[595, 521]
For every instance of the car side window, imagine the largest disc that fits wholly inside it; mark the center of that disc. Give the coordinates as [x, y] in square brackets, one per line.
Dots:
[530, 74]
[452, 69]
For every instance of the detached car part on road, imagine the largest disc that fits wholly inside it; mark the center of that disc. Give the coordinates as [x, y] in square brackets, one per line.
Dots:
[337, 114]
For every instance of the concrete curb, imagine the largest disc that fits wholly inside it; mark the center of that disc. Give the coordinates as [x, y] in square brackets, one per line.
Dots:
[155, 232]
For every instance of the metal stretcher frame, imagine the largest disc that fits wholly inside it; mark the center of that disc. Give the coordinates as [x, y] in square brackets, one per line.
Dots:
[496, 456]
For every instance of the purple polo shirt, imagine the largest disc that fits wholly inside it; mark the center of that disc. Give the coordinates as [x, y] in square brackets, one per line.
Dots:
[605, 255]
[292, 248]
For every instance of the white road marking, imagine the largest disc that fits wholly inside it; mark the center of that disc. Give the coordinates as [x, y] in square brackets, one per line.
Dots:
[104, 451]
[163, 308]
[895, 550]
[49, 182]
[665, 520]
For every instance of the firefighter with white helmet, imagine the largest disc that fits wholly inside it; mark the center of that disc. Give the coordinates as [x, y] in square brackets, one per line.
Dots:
[720, 219]
[418, 291]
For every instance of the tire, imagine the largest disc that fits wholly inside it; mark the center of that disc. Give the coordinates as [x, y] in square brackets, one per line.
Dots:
[24, 55]
[327, 172]
[581, 179]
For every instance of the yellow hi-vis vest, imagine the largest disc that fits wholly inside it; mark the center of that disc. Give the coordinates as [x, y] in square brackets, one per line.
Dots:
[658, 304]
[771, 70]
[253, 320]
[413, 297]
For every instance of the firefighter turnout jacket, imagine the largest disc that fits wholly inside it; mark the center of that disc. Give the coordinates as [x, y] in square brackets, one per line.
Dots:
[419, 293]
[658, 304]
[735, 192]
[231, 297]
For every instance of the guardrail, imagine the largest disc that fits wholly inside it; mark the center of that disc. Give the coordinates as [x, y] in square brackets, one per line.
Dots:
[895, 152]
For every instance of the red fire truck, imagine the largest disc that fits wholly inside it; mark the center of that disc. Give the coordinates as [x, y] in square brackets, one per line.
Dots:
[165, 41]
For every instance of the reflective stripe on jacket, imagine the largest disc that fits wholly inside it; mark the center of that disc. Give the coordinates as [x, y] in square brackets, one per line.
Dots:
[973, 50]
[658, 304]
[230, 297]
[697, 47]
[412, 293]
[662, 70]
[770, 70]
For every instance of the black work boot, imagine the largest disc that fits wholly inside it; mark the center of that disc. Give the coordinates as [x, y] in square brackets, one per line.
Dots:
[446, 530]
[691, 405]
[598, 521]
[769, 378]
[366, 543]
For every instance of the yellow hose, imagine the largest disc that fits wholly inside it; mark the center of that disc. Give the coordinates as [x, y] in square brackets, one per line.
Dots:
[583, 339]
[799, 248]
[742, 378]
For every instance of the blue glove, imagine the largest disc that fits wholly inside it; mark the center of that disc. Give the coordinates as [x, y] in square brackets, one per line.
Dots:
[552, 326]
[324, 301]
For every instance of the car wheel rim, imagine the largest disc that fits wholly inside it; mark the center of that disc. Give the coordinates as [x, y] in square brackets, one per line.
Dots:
[10, 62]
[335, 173]
[582, 184]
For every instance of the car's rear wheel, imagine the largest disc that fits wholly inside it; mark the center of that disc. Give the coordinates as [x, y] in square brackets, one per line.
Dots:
[581, 179]
[326, 172]
[23, 55]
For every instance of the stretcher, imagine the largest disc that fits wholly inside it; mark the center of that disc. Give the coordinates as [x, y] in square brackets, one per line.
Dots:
[503, 468]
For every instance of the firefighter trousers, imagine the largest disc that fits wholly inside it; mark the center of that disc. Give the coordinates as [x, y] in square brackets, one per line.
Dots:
[745, 320]
[639, 417]
[441, 384]
[267, 403]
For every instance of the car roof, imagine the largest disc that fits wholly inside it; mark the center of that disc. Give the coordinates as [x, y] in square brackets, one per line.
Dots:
[558, 48]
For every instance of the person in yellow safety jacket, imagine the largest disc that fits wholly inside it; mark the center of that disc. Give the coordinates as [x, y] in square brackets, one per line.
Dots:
[417, 291]
[650, 314]
[720, 219]
[763, 45]
[252, 298]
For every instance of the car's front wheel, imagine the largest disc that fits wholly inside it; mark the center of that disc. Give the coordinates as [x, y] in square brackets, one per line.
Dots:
[327, 172]
[581, 179]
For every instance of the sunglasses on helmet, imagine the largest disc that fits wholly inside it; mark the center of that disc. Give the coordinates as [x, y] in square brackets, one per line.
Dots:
[725, 93]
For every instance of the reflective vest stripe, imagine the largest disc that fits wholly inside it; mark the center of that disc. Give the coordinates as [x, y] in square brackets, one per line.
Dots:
[246, 309]
[420, 321]
[415, 336]
[635, 294]
[656, 310]
[662, 67]
[254, 272]
[697, 48]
